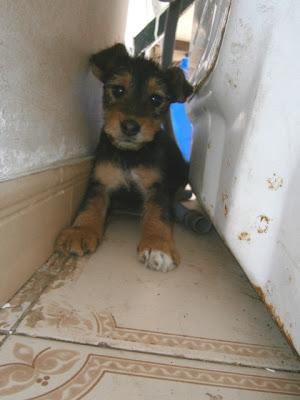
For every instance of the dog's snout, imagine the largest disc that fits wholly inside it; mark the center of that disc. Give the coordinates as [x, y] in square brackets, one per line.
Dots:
[130, 127]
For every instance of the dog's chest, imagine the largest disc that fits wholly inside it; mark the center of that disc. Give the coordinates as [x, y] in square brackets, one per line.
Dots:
[114, 177]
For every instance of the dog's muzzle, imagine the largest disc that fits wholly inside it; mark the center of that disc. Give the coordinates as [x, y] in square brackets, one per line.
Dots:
[130, 127]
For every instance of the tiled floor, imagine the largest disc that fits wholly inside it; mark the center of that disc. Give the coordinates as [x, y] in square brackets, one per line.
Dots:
[105, 327]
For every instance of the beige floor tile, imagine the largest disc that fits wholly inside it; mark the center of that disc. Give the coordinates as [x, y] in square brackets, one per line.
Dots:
[205, 309]
[52, 370]
[13, 310]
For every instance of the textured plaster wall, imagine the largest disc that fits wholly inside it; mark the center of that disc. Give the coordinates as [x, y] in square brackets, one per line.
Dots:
[49, 102]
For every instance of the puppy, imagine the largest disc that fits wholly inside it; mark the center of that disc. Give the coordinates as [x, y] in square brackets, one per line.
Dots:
[137, 163]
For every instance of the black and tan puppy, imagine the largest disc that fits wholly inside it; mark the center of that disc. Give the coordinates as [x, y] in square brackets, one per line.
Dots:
[136, 162]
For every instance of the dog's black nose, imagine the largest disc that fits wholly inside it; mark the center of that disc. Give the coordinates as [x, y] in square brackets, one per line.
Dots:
[130, 127]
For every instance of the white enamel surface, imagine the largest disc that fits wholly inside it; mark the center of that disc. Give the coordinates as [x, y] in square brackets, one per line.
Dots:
[246, 151]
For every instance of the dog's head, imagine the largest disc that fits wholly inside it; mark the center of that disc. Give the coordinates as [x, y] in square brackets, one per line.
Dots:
[137, 95]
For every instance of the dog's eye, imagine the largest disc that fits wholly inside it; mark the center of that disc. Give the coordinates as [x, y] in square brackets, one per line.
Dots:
[156, 100]
[117, 90]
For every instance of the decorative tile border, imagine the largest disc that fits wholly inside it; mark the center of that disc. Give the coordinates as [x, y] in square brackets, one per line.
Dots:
[87, 326]
[39, 370]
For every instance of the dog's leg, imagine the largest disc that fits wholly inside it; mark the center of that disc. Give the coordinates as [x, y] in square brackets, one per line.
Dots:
[84, 236]
[157, 248]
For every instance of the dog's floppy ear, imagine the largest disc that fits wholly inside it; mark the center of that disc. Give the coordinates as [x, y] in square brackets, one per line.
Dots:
[105, 60]
[179, 87]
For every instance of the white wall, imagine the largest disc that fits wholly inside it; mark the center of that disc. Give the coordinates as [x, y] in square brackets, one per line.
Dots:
[49, 103]
[246, 151]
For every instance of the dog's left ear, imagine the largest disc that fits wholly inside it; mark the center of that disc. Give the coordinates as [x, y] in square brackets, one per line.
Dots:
[103, 62]
[179, 87]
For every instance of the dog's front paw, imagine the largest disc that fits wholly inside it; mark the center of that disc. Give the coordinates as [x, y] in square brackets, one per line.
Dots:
[157, 260]
[77, 240]
[163, 257]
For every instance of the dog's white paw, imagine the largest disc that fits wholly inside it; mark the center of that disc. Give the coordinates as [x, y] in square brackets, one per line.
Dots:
[157, 260]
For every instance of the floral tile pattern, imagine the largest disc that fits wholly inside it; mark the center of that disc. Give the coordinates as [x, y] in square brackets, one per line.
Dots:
[203, 310]
[92, 327]
[43, 369]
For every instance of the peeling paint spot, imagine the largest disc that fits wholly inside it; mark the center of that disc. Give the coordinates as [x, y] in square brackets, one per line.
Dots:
[224, 200]
[224, 197]
[275, 316]
[209, 144]
[232, 83]
[265, 8]
[262, 223]
[275, 182]
[225, 210]
[245, 236]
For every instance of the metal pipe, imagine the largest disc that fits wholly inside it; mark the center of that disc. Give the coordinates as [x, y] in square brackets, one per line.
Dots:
[170, 32]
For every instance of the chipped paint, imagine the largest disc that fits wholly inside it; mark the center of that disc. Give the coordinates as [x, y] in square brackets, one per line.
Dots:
[244, 236]
[264, 172]
[275, 316]
[262, 223]
[224, 200]
[231, 82]
[224, 196]
[225, 210]
[275, 182]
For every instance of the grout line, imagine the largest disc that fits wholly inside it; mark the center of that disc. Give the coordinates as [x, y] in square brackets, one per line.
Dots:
[59, 262]
[102, 345]
[4, 340]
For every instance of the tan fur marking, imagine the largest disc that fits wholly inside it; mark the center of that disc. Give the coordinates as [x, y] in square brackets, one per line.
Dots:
[112, 120]
[94, 215]
[109, 175]
[123, 79]
[155, 87]
[156, 234]
[146, 177]
[149, 128]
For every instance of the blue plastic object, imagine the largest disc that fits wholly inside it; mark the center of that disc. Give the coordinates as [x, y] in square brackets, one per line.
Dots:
[181, 124]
